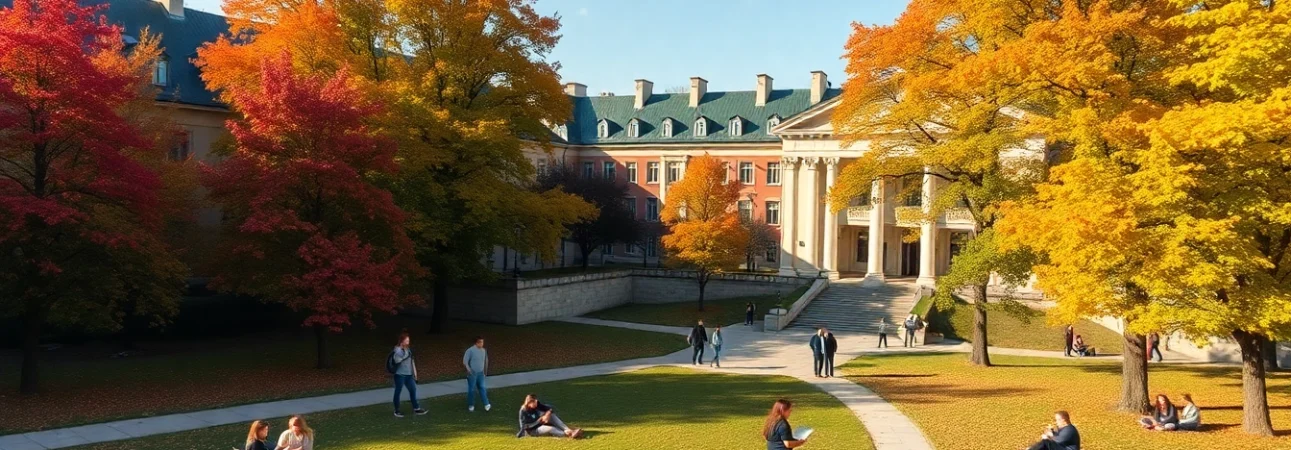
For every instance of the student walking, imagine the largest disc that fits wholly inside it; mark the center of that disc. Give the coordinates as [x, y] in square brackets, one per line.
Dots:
[831, 347]
[883, 332]
[697, 339]
[476, 361]
[299, 436]
[404, 369]
[716, 342]
[1068, 335]
[817, 345]
[749, 310]
[1154, 347]
[912, 323]
[776, 429]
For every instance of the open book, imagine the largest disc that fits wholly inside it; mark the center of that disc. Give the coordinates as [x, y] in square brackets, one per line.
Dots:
[802, 433]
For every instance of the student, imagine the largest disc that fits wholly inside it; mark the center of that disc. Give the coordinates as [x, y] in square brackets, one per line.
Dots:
[912, 323]
[1154, 346]
[716, 342]
[476, 361]
[698, 337]
[1068, 335]
[538, 419]
[1062, 437]
[256, 436]
[749, 310]
[1164, 416]
[776, 429]
[1079, 346]
[405, 374]
[817, 345]
[883, 332]
[831, 347]
[299, 436]
[1191, 418]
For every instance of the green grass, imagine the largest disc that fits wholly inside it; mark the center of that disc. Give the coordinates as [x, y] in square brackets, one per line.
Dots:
[684, 314]
[660, 408]
[963, 407]
[82, 384]
[923, 306]
[1029, 331]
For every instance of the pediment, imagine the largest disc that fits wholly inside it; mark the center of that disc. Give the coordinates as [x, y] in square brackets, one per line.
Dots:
[814, 121]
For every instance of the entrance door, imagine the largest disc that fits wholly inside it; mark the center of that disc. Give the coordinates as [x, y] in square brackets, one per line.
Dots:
[910, 259]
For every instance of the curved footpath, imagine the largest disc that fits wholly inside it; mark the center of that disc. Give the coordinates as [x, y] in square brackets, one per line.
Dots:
[746, 351]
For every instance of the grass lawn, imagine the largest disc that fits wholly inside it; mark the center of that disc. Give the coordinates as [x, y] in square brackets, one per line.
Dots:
[1030, 332]
[84, 384]
[684, 314]
[960, 406]
[660, 408]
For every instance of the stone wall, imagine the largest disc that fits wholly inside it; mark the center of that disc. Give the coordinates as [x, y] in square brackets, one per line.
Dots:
[671, 286]
[553, 298]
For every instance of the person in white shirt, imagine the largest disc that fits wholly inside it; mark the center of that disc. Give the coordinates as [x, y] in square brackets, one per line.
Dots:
[298, 436]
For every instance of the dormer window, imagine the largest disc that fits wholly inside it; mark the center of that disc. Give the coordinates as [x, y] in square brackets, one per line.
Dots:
[161, 73]
[701, 127]
[772, 122]
[634, 128]
[603, 129]
[736, 126]
[563, 132]
[667, 127]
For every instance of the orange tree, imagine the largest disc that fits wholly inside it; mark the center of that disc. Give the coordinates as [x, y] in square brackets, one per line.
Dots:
[705, 230]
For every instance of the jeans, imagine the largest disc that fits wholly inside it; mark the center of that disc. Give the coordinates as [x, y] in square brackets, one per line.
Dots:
[909, 339]
[698, 357]
[748, 318]
[476, 382]
[819, 361]
[883, 340]
[829, 364]
[1068, 352]
[555, 428]
[400, 382]
[717, 355]
[1156, 351]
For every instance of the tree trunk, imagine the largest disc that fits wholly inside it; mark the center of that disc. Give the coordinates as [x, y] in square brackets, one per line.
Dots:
[587, 254]
[980, 355]
[703, 281]
[28, 381]
[1134, 374]
[1255, 402]
[320, 341]
[438, 305]
[1271, 356]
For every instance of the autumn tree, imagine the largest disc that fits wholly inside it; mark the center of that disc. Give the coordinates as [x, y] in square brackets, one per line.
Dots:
[923, 95]
[612, 224]
[761, 236]
[80, 214]
[704, 228]
[309, 227]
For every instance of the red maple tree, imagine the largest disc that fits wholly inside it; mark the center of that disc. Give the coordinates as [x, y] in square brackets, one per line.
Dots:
[310, 228]
[79, 213]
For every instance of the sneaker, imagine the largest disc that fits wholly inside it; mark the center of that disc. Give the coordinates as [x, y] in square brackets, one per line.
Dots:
[419, 411]
[487, 406]
[470, 408]
[398, 414]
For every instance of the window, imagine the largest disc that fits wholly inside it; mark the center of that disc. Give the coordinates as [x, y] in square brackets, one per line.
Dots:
[746, 209]
[772, 122]
[773, 213]
[631, 203]
[746, 173]
[674, 171]
[773, 173]
[179, 152]
[630, 249]
[652, 209]
[542, 166]
[861, 200]
[603, 129]
[563, 132]
[863, 246]
[667, 127]
[701, 127]
[914, 199]
[652, 247]
[632, 172]
[587, 169]
[607, 249]
[161, 73]
[634, 128]
[652, 172]
[736, 126]
[607, 169]
[726, 170]
[773, 252]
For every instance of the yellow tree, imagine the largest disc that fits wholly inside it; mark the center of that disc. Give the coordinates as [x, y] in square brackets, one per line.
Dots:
[705, 231]
[926, 95]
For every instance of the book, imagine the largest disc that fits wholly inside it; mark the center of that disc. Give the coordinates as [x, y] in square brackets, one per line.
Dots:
[802, 433]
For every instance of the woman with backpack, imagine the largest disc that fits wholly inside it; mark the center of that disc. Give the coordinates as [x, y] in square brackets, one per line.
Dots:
[404, 368]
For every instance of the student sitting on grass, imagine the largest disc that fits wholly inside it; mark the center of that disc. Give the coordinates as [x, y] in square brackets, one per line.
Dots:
[537, 419]
[299, 436]
[1080, 347]
[256, 436]
[1191, 418]
[1063, 436]
[1164, 417]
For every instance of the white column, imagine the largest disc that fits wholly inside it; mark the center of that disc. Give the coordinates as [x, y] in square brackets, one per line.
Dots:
[663, 181]
[788, 215]
[874, 268]
[928, 234]
[810, 224]
[830, 258]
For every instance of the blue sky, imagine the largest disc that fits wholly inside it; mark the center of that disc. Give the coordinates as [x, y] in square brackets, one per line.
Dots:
[609, 43]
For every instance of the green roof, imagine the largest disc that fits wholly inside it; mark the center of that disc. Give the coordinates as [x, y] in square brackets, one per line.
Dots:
[717, 107]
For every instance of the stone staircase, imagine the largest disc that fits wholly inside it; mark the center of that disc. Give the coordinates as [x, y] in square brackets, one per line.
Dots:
[847, 306]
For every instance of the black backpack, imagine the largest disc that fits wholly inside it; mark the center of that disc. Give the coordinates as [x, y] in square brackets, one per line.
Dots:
[391, 365]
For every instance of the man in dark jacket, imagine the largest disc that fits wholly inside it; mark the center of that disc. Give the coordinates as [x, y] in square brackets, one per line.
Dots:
[1069, 334]
[817, 345]
[1063, 437]
[697, 339]
[831, 347]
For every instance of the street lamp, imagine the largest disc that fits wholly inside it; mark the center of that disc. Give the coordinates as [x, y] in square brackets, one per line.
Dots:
[516, 266]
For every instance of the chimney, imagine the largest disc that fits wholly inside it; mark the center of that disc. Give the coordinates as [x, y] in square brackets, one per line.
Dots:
[698, 87]
[643, 93]
[576, 89]
[174, 7]
[819, 82]
[764, 89]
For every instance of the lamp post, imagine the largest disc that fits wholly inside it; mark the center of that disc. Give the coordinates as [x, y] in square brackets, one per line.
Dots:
[518, 230]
